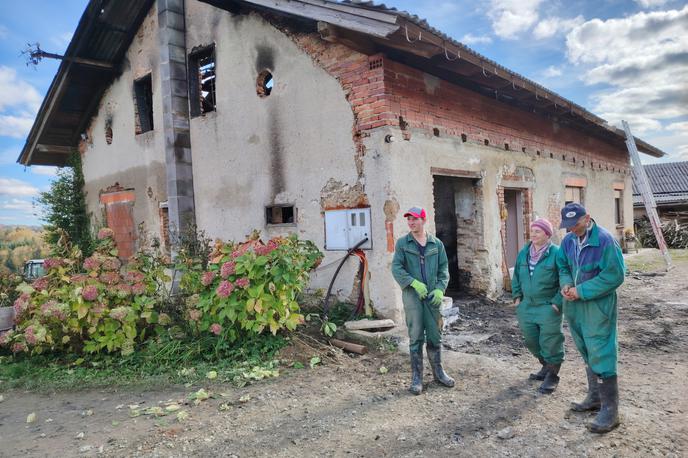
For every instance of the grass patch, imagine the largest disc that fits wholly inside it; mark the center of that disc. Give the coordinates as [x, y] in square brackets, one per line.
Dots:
[155, 364]
[651, 260]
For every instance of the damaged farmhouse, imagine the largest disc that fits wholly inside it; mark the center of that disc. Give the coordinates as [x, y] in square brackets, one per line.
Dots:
[326, 119]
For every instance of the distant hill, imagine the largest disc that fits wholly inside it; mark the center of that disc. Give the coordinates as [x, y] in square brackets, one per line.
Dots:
[18, 244]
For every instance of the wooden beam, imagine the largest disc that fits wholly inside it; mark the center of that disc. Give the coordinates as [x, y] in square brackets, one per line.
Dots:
[55, 149]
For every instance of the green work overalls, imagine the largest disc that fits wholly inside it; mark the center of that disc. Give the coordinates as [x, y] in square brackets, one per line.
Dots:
[423, 319]
[540, 324]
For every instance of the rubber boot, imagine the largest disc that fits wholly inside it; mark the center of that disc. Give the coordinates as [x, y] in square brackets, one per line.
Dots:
[551, 379]
[592, 400]
[416, 372]
[435, 359]
[608, 416]
[539, 375]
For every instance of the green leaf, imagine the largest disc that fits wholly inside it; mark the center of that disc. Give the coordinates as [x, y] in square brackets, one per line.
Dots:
[315, 360]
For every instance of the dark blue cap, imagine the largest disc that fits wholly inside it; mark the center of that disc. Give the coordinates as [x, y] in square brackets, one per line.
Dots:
[570, 215]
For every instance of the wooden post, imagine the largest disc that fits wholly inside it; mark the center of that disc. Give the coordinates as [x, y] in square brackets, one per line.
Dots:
[646, 193]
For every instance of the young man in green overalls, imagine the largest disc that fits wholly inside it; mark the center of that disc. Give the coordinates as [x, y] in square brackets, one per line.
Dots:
[420, 267]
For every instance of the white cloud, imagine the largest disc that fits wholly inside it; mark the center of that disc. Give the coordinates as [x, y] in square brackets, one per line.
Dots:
[552, 72]
[555, 26]
[678, 126]
[650, 3]
[15, 126]
[21, 205]
[19, 102]
[643, 61]
[14, 187]
[471, 39]
[44, 170]
[512, 17]
[17, 93]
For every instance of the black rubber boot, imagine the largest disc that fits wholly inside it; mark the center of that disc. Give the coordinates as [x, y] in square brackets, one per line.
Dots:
[435, 359]
[608, 416]
[416, 372]
[551, 379]
[592, 400]
[540, 375]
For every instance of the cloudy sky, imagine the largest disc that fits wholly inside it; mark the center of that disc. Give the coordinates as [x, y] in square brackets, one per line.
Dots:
[620, 59]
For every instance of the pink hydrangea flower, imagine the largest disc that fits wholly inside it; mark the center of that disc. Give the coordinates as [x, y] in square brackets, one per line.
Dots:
[133, 276]
[61, 312]
[21, 304]
[194, 314]
[111, 263]
[51, 263]
[109, 278]
[119, 313]
[90, 293]
[122, 290]
[236, 253]
[6, 337]
[207, 278]
[242, 282]
[105, 233]
[18, 347]
[40, 283]
[227, 269]
[216, 329]
[49, 309]
[224, 289]
[138, 289]
[91, 263]
[164, 319]
[30, 335]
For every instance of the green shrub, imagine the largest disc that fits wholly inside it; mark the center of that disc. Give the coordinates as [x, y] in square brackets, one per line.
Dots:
[248, 288]
[103, 309]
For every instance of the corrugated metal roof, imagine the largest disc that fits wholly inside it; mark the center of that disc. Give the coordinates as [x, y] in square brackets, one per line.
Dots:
[668, 181]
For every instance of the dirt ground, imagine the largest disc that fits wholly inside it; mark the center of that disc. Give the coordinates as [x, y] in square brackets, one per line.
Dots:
[353, 408]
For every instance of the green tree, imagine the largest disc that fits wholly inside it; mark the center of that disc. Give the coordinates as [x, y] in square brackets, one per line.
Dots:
[64, 207]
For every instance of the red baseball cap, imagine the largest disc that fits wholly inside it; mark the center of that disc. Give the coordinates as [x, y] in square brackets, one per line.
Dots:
[416, 212]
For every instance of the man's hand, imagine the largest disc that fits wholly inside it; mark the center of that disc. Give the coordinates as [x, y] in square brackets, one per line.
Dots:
[556, 308]
[517, 301]
[437, 295]
[572, 294]
[420, 288]
[565, 291]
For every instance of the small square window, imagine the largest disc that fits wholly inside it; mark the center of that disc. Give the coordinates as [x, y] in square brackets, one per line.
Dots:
[280, 214]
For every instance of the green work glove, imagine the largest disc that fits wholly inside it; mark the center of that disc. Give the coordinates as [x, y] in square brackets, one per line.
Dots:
[437, 296]
[420, 288]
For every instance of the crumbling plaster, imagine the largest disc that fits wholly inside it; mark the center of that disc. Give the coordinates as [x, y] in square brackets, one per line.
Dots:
[133, 161]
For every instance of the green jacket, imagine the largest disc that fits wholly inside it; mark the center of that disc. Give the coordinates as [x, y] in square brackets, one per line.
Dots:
[406, 263]
[597, 270]
[542, 288]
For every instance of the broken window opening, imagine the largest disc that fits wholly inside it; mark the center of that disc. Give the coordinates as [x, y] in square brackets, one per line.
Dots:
[202, 81]
[143, 103]
[264, 83]
[280, 214]
[618, 208]
[573, 194]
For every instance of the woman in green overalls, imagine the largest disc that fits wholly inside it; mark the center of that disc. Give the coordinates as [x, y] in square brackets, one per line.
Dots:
[535, 290]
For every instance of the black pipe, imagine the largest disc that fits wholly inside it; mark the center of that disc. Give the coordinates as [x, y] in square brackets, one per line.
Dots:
[329, 290]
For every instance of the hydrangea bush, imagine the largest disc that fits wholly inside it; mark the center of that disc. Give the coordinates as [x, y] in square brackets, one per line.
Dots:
[88, 306]
[249, 287]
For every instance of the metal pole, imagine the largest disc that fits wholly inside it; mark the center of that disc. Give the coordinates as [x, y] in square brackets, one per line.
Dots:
[646, 193]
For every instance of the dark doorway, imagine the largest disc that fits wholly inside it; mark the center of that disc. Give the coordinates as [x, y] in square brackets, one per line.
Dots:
[514, 237]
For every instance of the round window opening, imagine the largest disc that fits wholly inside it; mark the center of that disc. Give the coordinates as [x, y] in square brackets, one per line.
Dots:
[264, 83]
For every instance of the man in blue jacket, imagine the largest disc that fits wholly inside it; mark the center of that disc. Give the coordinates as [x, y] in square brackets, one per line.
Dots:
[591, 268]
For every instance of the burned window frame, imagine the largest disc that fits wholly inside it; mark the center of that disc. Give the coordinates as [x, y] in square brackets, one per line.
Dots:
[200, 105]
[270, 215]
[143, 104]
